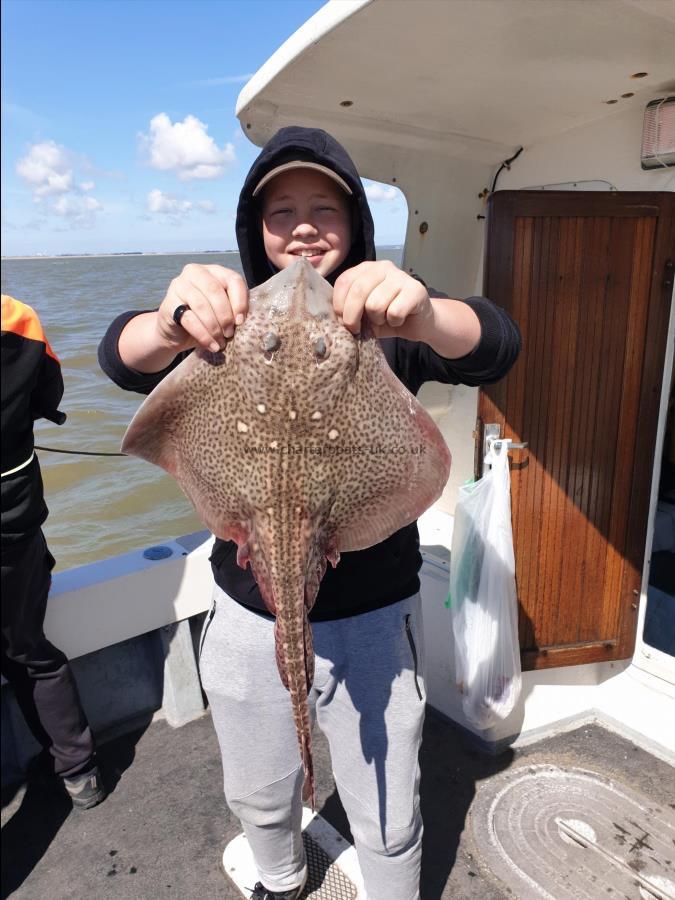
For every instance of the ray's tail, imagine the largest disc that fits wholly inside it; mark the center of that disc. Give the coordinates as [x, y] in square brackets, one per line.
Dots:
[295, 661]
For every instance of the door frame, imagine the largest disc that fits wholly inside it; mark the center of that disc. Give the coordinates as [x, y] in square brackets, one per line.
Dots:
[645, 657]
[641, 510]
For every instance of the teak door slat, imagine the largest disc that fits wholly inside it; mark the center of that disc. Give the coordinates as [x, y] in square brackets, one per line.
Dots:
[580, 274]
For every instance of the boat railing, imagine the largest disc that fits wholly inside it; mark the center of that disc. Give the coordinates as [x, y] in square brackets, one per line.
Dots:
[130, 626]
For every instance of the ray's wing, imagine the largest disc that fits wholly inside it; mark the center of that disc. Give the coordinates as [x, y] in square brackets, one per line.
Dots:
[398, 463]
[187, 425]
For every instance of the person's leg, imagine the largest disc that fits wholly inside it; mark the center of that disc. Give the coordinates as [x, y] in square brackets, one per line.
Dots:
[252, 715]
[38, 671]
[371, 708]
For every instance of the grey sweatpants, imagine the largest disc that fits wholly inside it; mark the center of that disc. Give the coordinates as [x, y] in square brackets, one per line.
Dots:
[368, 699]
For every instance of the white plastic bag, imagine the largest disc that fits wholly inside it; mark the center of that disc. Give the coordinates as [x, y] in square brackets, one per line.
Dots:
[482, 596]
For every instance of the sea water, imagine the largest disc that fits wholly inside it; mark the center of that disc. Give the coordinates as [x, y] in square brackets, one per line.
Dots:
[102, 506]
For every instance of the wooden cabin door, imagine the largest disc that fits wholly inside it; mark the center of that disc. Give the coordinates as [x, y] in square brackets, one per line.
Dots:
[589, 279]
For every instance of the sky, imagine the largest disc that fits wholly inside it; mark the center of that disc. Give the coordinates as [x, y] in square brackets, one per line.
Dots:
[118, 123]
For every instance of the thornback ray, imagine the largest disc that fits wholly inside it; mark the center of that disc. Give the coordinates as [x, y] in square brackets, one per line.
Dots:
[297, 442]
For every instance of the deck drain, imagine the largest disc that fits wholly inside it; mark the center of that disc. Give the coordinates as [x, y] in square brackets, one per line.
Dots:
[570, 834]
[325, 881]
[334, 872]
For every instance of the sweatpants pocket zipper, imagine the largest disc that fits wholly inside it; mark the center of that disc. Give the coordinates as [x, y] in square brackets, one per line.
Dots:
[413, 650]
[210, 616]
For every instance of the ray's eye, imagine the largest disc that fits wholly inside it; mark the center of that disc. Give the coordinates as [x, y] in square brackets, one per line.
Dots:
[320, 348]
[271, 342]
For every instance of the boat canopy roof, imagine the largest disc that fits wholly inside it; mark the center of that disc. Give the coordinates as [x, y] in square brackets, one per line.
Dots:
[470, 78]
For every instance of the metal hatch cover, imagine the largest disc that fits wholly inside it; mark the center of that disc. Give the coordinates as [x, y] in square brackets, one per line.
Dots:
[334, 872]
[572, 834]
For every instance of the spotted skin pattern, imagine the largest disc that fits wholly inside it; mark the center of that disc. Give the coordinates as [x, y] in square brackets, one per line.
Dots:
[298, 442]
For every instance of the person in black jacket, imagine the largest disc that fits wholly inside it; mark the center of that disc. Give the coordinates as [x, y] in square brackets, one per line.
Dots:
[303, 196]
[32, 387]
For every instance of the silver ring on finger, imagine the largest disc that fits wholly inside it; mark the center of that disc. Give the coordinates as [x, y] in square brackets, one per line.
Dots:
[179, 312]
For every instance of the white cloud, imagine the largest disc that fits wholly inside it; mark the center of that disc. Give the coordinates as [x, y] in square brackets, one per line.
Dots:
[48, 168]
[75, 207]
[186, 148]
[225, 79]
[175, 208]
[167, 204]
[380, 193]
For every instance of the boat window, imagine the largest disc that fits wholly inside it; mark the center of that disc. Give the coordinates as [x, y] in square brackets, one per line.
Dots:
[390, 214]
[659, 627]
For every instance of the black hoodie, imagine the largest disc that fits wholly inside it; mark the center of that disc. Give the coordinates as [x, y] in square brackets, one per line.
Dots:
[368, 579]
[309, 145]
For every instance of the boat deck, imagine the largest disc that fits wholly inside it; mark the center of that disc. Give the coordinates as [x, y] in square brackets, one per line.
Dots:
[162, 829]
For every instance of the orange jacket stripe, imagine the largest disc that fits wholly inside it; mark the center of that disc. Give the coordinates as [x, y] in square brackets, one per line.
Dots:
[22, 319]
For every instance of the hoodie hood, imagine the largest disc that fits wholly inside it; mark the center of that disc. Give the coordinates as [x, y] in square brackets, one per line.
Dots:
[309, 145]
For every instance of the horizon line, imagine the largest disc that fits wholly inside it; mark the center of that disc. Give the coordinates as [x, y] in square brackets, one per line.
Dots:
[146, 253]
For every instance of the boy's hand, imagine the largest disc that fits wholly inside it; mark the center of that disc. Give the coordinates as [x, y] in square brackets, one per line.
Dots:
[394, 303]
[217, 301]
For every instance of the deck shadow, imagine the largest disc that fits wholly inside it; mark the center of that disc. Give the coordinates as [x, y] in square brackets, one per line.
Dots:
[452, 770]
[43, 807]
[162, 832]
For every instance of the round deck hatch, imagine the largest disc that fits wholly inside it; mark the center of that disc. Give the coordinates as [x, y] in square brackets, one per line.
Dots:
[571, 834]
[158, 552]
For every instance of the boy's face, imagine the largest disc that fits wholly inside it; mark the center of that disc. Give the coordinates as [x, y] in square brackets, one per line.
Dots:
[305, 213]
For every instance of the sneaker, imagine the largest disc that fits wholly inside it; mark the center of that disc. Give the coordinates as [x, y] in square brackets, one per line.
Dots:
[86, 790]
[260, 892]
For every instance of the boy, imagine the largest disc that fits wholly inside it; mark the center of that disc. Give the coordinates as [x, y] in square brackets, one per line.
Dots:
[303, 196]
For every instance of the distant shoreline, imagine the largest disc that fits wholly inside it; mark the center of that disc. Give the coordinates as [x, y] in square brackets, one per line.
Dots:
[123, 253]
[152, 253]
